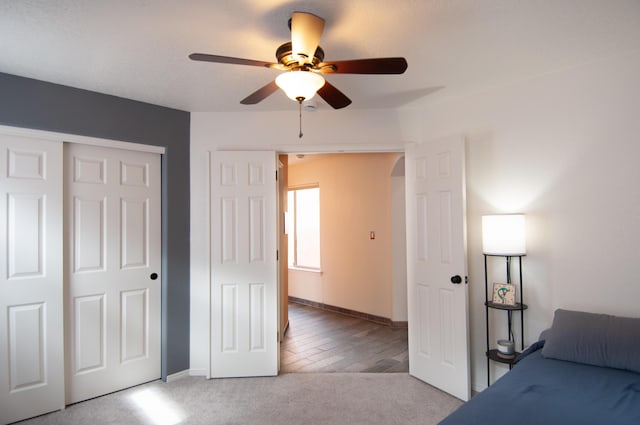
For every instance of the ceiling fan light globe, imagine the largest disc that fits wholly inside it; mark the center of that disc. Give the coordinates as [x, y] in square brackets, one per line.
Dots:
[300, 84]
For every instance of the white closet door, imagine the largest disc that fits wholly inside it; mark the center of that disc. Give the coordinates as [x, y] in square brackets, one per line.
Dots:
[31, 306]
[113, 250]
[244, 266]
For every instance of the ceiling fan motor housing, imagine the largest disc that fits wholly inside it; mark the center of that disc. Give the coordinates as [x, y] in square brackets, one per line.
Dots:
[285, 56]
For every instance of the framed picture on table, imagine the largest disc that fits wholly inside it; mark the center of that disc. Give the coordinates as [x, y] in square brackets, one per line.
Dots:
[504, 294]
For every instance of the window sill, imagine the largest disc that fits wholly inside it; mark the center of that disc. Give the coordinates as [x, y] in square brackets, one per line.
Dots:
[305, 269]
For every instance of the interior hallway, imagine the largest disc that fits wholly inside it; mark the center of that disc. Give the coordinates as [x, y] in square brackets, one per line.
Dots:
[323, 341]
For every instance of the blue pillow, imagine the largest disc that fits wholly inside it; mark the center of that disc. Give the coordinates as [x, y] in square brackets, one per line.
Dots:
[595, 339]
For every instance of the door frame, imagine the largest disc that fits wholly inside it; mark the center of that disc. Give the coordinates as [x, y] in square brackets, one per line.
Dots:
[277, 150]
[53, 136]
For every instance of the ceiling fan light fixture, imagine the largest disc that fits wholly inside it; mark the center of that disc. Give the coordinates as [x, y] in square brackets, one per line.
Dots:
[300, 85]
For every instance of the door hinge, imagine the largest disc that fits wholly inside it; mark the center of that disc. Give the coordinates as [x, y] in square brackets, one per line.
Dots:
[276, 175]
[277, 255]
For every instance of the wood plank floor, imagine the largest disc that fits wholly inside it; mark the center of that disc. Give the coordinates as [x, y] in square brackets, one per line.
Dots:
[324, 341]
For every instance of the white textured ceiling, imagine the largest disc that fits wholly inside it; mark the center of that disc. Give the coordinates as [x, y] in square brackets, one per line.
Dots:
[138, 48]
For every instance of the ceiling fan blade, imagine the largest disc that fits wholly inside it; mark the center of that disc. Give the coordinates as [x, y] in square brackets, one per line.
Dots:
[228, 59]
[333, 96]
[260, 94]
[306, 30]
[365, 66]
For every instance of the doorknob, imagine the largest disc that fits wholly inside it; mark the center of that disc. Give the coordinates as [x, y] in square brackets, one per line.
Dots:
[154, 276]
[456, 279]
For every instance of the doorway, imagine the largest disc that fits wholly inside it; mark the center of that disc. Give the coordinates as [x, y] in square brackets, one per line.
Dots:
[435, 231]
[350, 316]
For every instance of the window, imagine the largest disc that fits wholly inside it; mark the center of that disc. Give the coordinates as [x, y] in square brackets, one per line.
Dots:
[303, 224]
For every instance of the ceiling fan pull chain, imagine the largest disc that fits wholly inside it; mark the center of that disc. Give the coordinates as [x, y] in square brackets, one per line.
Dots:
[300, 112]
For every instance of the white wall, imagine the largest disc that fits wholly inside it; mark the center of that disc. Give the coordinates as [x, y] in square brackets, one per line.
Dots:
[564, 149]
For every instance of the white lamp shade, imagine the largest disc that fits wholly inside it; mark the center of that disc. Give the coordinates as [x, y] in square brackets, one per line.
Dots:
[300, 84]
[504, 234]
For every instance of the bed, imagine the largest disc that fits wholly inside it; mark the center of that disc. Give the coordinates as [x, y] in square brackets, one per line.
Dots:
[584, 370]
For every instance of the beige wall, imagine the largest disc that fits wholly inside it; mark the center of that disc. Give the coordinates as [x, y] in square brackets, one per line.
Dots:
[355, 198]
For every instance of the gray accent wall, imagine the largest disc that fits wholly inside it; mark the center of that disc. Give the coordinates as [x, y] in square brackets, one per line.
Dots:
[40, 105]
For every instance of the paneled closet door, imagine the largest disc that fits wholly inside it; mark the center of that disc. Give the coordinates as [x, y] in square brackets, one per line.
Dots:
[113, 250]
[31, 300]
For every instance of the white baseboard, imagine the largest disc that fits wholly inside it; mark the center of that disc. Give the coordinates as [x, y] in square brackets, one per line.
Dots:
[198, 372]
[478, 388]
[177, 375]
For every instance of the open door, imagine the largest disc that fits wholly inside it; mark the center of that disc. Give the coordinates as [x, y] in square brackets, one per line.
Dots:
[244, 265]
[436, 266]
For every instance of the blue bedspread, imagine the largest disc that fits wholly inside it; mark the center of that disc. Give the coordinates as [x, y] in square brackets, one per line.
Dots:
[546, 391]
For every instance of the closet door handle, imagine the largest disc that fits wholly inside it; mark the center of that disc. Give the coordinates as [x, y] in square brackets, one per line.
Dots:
[456, 279]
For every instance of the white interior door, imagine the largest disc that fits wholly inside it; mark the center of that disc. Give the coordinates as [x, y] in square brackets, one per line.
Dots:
[436, 251]
[113, 248]
[31, 306]
[243, 264]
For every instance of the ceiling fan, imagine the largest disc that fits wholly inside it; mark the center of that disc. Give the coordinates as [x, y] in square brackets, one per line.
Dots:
[302, 60]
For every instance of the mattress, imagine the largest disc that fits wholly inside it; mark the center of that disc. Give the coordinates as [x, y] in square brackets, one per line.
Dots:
[541, 390]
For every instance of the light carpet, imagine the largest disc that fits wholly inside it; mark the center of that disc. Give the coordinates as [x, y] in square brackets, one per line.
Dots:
[296, 398]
